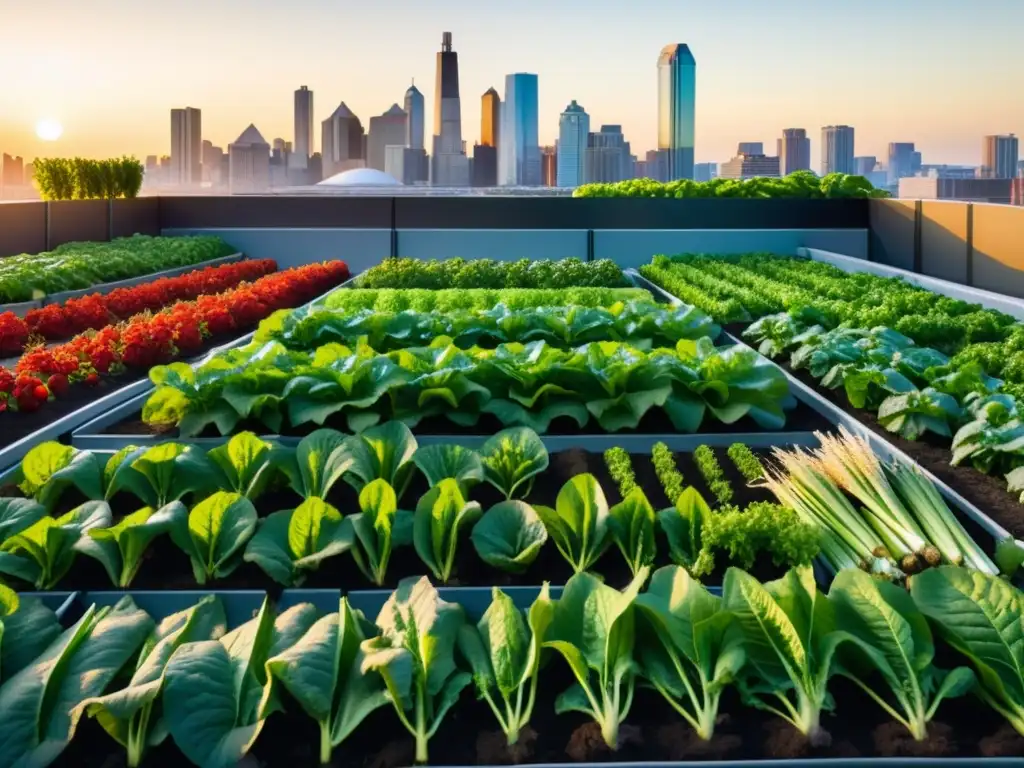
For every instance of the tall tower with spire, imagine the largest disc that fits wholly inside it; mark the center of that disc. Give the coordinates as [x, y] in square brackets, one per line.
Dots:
[414, 108]
[450, 167]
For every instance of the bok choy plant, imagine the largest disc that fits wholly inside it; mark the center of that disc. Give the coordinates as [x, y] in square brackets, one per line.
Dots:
[164, 473]
[578, 524]
[512, 458]
[509, 536]
[594, 629]
[415, 654]
[504, 650]
[215, 533]
[441, 516]
[120, 548]
[384, 452]
[27, 627]
[377, 529]
[246, 463]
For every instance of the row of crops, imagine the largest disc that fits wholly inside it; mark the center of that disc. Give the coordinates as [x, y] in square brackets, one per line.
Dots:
[278, 557]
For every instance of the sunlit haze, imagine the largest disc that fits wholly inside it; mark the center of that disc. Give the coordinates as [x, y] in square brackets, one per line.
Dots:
[940, 73]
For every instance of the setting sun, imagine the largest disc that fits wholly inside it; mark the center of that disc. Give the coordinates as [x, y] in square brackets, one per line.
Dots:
[49, 129]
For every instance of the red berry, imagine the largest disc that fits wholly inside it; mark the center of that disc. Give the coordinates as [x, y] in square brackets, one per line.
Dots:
[41, 393]
[92, 379]
[58, 384]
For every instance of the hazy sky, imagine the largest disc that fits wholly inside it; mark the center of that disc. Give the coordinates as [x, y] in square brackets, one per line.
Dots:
[941, 73]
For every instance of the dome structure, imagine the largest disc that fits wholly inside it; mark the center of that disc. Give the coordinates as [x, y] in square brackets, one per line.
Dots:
[360, 177]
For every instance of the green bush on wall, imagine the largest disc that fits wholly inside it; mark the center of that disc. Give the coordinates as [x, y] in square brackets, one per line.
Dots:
[63, 178]
[802, 184]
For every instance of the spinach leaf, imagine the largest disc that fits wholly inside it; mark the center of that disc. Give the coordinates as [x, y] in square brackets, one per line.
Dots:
[441, 516]
[579, 522]
[509, 536]
[215, 533]
[120, 548]
[512, 458]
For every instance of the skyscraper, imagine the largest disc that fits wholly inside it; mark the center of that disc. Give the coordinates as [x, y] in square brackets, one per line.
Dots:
[388, 129]
[415, 125]
[999, 157]
[750, 148]
[608, 157]
[677, 106]
[186, 146]
[490, 118]
[904, 161]
[794, 151]
[249, 162]
[836, 149]
[519, 153]
[303, 146]
[213, 159]
[342, 142]
[573, 130]
[450, 164]
[549, 166]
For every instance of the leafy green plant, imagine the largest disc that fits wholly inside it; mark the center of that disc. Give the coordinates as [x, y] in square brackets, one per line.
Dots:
[979, 616]
[449, 299]
[165, 473]
[669, 476]
[40, 702]
[319, 461]
[620, 467]
[377, 529]
[61, 178]
[487, 273]
[746, 462]
[509, 536]
[133, 715]
[42, 553]
[992, 440]
[892, 638]
[215, 533]
[504, 651]
[684, 648]
[683, 526]
[512, 458]
[50, 468]
[18, 514]
[289, 544]
[441, 516]
[631, 523]
[27, 627]
[444, 460]
[218, 694]
[788, 632]
[762, 527]
[912, 414]
[579, 522]
[120, 548]
[594, 629]
[384, 452]
[245, 461]
[323, 672]
[712, 473]
[415, 654]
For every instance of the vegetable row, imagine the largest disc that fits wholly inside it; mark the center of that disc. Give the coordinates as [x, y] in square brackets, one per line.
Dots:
[47, 373]
[801, 184]
[641, 324]
[95, 311]
[211, 688]
[74, 266]
[450, 299]
[486, 273]
[530, 385]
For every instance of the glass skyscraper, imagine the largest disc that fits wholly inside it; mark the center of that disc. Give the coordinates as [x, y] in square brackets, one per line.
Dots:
[519, 162]
[677, 107]
[573, 130]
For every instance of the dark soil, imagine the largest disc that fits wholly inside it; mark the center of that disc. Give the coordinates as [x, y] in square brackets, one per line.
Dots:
[652, 732]
[801, 419]
[987, 492]
[167, 567]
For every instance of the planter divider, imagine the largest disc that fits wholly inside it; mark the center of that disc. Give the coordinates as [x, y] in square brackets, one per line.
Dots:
[61, 603]
[20, 308]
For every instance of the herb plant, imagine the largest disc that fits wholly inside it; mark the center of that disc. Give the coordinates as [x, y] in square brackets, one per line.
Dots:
[712, 473]
[762, 527]
[669, 476]
[746, 462]
[620, 467]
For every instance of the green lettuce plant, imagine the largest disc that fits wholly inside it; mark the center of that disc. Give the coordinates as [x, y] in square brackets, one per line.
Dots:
[217, 693]
[165, 473]
[415, 655]
[50, 468]
[120, 548]
[442, 514]
[246, 463]
[578, 524]
[594, 629]
[509, 536]
[215, 533]
[684, 648]
[319, 461]
[289, 544]
[504, 651]
[42, 553]
[384, 452]
[133, 715]
[323, 673]
[512, 458]
[41, 702]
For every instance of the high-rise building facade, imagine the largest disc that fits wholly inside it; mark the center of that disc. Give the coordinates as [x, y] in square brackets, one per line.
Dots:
[794, 149]
[705, 171]
[608, 157]
[677, 107]
[836, 149]
[415, 109]
[490, 118]
[213, 158]
[519, 162]
[186, 147]
[864, 165]
[303, 147]
[573, 133]
[749, 166]
[750, 148]
[450, 166]
[549, 166]
[904, 161]
[249, 162]
[387, 130]
[999, 157]
[342, 139]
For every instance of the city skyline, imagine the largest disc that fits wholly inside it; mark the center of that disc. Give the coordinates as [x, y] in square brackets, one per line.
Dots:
[794, 69]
